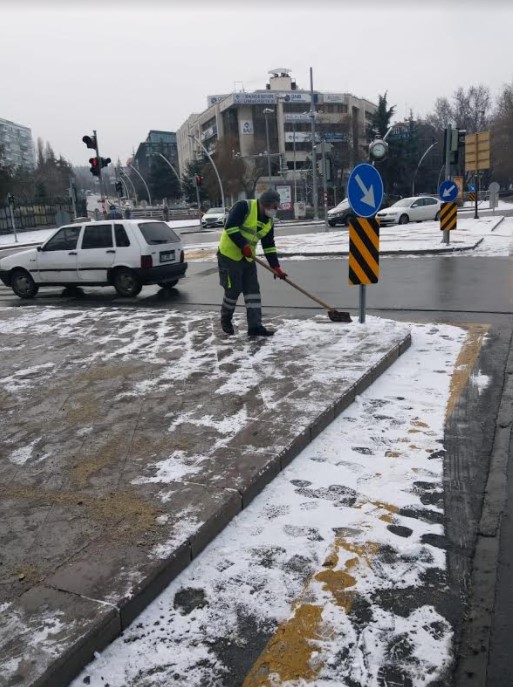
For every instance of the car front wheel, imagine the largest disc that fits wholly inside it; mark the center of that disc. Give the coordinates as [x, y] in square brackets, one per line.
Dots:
[126, 283]
[23, 285]
[404, 219]
[437, 216]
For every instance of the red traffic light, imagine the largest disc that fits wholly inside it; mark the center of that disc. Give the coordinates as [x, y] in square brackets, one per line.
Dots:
[94, 169]
[199, 179]
[90, 141]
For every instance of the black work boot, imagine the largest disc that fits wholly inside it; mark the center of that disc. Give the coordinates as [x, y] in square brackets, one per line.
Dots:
[227, 326]
[260, 331]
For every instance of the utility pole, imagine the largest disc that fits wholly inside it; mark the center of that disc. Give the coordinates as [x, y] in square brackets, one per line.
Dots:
[315, 198]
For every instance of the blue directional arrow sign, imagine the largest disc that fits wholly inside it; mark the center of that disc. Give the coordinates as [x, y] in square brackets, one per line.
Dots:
[448, 191]
[365, 190]
[471, 187]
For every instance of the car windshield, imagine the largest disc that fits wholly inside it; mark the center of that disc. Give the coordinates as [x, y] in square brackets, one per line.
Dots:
[157, 232]
[402, 203]
[215, 211]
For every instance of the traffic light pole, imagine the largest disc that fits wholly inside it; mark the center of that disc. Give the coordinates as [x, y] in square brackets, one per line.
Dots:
[99, 166]
[324, 185]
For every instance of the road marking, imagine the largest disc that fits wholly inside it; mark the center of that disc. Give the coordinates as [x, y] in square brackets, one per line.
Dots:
[467, 358]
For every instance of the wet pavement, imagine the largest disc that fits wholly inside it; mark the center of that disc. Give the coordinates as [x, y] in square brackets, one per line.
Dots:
[130, 439]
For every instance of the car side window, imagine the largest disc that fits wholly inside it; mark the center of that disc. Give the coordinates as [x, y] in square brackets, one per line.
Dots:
[122, 240]
[429, 201]
[97, 236]
[65, 239]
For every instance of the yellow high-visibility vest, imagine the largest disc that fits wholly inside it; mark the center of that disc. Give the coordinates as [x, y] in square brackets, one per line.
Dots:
[253, 231]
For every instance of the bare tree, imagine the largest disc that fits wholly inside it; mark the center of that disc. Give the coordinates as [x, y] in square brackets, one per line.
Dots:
[470, 109]
[502, 137]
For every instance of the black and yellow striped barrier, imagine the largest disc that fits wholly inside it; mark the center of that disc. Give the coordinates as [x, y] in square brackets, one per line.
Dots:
[363, 251]
[448, 216]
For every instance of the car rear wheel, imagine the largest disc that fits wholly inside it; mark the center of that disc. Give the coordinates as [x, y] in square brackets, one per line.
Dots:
[23, 285]
[126, 283]
[167, 284]
[404, 219]
[332, 223]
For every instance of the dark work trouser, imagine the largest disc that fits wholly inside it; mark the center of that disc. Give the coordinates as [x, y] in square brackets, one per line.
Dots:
[236, 277]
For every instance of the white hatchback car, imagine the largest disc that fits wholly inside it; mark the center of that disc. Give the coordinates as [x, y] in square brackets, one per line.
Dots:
[125, 254]
[416, 209]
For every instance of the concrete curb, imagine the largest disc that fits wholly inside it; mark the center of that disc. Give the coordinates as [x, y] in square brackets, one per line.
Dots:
[345, 254]
[107, 620]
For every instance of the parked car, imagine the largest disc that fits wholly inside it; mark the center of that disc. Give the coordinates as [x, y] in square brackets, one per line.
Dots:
[416, 209]
[215, 217]
[125, 254]
[342, 213]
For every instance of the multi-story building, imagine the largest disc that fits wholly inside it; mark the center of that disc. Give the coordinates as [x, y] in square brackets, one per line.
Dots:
[275, 123]
[16, 143]
[157, 142]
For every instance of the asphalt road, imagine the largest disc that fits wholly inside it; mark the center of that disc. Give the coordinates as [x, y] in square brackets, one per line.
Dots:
[449, 289]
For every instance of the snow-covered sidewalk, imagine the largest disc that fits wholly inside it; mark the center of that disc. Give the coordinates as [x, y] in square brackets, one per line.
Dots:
[131, 438]
[304, 587]
[472, 237]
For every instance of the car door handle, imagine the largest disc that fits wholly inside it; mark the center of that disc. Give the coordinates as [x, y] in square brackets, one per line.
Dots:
[73, 252]
[110, 251]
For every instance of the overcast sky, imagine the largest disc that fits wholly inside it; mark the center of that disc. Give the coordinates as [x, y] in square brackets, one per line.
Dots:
[124, 68]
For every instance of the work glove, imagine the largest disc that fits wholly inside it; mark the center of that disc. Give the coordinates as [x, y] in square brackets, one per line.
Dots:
[246, 251]
[278, 272]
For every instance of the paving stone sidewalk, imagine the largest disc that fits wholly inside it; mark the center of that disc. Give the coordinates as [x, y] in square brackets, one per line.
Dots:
[128, 440]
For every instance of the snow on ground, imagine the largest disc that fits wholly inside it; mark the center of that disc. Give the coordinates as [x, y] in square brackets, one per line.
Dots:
[39, 235]
[322, 558]
[401, 240]
[485, 205]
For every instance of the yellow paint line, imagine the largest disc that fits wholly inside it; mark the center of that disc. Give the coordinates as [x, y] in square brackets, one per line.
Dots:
[466, 362]
[288, 654]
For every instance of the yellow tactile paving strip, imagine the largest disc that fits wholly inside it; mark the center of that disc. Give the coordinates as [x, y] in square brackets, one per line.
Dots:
[294, 654]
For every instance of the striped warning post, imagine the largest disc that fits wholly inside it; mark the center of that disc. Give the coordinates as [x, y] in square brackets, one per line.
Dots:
[472, 196]
[363, 251]
[448, 215]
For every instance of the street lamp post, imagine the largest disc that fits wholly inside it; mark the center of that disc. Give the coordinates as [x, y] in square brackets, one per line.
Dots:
[213, 165]
[122, 171]
[174, 170]
[142, 179]
[418, 166]
[266, 112]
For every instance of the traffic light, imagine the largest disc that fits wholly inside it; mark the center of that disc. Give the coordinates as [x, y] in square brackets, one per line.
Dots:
[119, 188]
[10, 199]
[90, 141]
[199, 180]
[105, 161]
[94, 169]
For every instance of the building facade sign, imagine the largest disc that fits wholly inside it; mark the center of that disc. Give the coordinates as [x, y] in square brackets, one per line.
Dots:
[214, 99]
[296, 117]
[253, 99]
[300, 136]
[333, 98]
